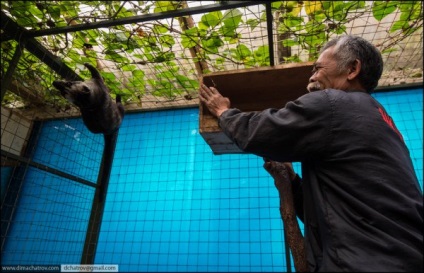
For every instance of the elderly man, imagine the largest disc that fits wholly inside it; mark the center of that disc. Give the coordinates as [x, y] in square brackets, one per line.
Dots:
[362, 203]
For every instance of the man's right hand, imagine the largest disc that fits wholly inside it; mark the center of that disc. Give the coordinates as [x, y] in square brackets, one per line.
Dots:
[213, 100]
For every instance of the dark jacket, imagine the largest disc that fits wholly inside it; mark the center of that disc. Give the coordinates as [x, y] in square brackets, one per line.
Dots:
[363, 206]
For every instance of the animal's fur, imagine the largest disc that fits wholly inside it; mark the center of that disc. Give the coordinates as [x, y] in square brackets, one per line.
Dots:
[99, 113]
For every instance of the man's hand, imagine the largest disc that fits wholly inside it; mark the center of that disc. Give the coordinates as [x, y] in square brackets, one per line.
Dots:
[213, 100]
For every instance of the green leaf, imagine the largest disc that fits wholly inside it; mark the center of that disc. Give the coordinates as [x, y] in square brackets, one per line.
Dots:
[113, 56]
[212, 19]
[190, 37]
[92, 34]
[227, 31]
[276, 5]
[381, 9]
[186, 82]
[91, 54]
[249, 62]
[290, 42]
[54, 11]
[128, 67]
[137, 84]
[292, 59]
[149, 57]
[340, 29]
[327, 5]
[219, 60]
[262, 55]
[213, 42]
[312, 7]
[232, 18]
[412, 10]
[320, 17]
[399, 25]
[36, 12]
[315, 40]
[241, 52]
[292, 21]
[125, 92]
[111, 46]
[138, 73]
[358, 5]
[262, 51]
[166, 75]
[108, 75]
[389, 50]
[312, 27]
[162, 6]
[263, 17]
[74, 56]
[159, 29]
[252, 23]
[166, 40]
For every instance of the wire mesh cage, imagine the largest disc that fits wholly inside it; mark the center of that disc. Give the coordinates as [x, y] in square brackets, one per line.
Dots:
[153, 53]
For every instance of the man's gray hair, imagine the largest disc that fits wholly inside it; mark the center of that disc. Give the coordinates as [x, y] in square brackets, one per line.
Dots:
[349, 48]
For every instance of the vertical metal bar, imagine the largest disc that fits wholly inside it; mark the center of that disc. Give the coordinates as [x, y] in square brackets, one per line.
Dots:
[97, 209]
[7, 78]
[287, 251]
[269, 20]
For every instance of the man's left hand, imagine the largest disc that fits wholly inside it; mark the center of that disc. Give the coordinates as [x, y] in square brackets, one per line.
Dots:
[213, 100]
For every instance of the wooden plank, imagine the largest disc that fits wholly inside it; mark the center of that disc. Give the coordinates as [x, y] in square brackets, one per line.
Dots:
[252, 90]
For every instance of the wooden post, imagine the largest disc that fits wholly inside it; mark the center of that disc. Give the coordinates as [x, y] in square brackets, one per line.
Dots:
[280, 172]
[186, 22]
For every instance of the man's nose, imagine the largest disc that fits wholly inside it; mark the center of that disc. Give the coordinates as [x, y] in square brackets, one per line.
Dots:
[313, 76]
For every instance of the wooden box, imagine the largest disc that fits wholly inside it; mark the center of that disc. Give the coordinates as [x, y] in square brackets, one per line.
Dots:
[251, 90]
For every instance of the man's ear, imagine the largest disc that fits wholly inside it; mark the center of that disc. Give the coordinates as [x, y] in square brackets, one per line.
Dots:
[354, 70]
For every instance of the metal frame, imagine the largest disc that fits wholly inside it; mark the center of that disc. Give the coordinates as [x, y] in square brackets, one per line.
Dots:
[11, 30]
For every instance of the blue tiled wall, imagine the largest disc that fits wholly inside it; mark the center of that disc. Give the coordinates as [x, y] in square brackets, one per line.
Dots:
[406, 109]
[171, 205]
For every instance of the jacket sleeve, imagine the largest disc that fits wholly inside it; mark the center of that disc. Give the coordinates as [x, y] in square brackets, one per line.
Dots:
[299, 130]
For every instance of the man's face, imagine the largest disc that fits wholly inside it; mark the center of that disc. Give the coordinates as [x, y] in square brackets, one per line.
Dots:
[326, 75]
